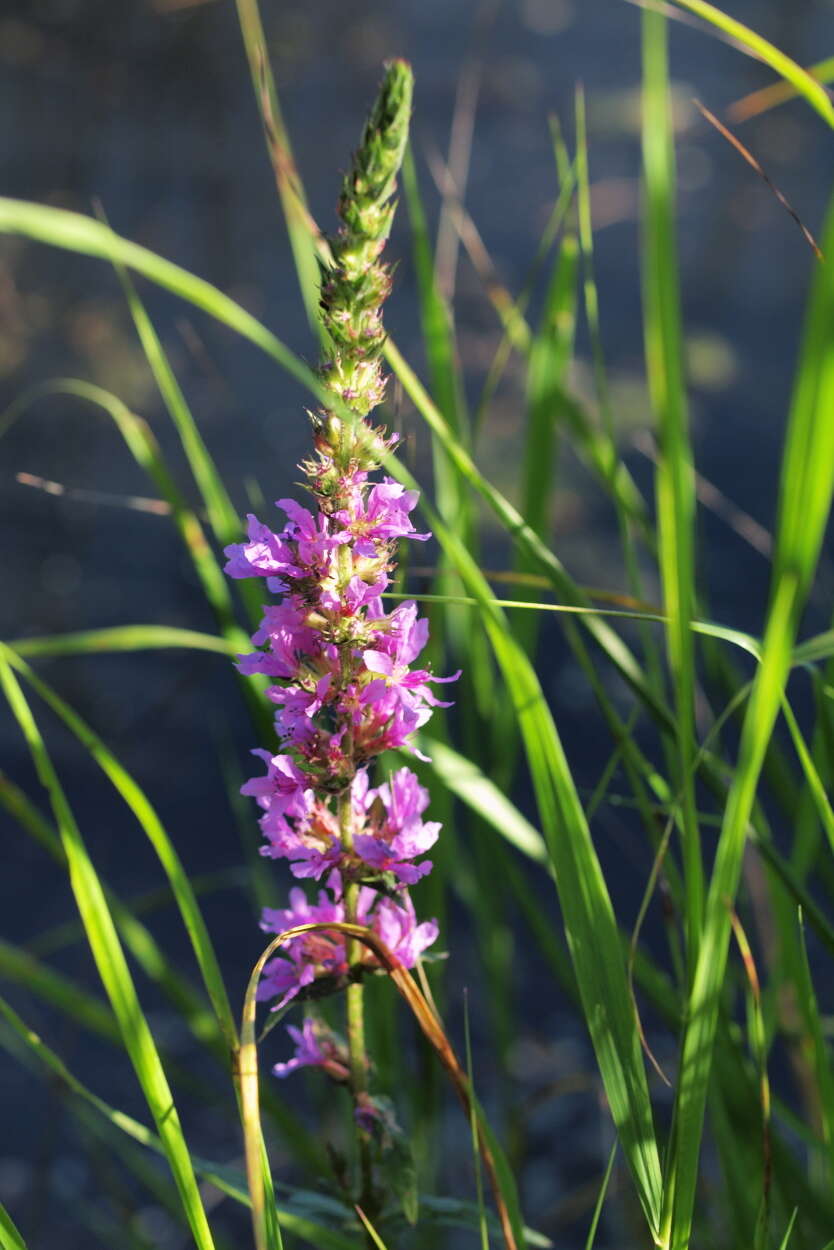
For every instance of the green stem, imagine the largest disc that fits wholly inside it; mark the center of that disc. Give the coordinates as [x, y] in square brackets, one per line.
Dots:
[357, 1056]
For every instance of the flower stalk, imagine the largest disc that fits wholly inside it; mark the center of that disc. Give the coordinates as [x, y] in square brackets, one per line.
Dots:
[346, 687]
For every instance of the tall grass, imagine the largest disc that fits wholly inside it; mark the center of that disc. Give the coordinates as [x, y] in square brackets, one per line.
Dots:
[734, 1162]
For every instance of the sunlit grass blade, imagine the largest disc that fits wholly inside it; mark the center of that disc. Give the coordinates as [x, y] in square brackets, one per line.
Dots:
[806, 486]
[11, 1237]
[586, 905]
[113, 969]
[74, 232]
[806, 85]
[305, 238]
[227, 1179]
[120, 638]
[783, 1244]
[674, 480]
[469, 784]
[149, 821]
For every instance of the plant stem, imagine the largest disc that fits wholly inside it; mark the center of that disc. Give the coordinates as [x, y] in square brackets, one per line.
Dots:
[356, 1016]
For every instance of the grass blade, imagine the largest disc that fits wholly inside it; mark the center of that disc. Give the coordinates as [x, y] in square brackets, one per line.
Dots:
[674, 481]
[226, 1179]
[120, 638]
[141, 808]
[113, 969]
[806, 488]
[804, 83]
[12, 1240]
[305, 238]
[590, 925]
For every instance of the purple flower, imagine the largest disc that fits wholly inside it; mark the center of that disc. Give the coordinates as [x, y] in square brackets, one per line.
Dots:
[400, 639]
[285, 788]
[306, 957]
[316, 1047]
[290, 641]
[312, 956]
[380, 518]
[311, 842]
[400, 836]
[396, 924]
[264, 555]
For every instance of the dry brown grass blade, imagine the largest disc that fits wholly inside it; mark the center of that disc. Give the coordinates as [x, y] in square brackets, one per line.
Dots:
[754, 164]
[425, 1017]
[766, 98]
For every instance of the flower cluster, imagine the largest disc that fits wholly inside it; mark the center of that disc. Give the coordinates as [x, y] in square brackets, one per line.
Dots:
[347, 684]
[346, 689]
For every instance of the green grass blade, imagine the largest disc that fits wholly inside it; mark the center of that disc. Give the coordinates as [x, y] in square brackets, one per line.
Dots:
[586, 906]
[783, 1244]
[75, 232]
[11, 1237]
[303, 233]
[119, 638]
[806, 488]
[674, 481]
[762, 50]
[228, 1180]
[21, 968]
[550, 356]
[149, 821]
[603, 1190]
[468, 783]
[545, 561]
[809, 1011]
[143, 447]
[113, 969]
[221, 512]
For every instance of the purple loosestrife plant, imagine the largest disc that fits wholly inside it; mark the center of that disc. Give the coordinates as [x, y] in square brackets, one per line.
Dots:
[346, 682]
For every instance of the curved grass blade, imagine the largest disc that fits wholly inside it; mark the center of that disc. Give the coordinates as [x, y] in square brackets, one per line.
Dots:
[765, 98]
[804, 83]
[149, 821]
[228, 1180]
[75, 232]
[145, 451]
[113, 969]
[503, 1186]
[221, 512]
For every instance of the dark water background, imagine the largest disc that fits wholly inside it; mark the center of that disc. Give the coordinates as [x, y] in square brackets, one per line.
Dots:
[148, 108]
